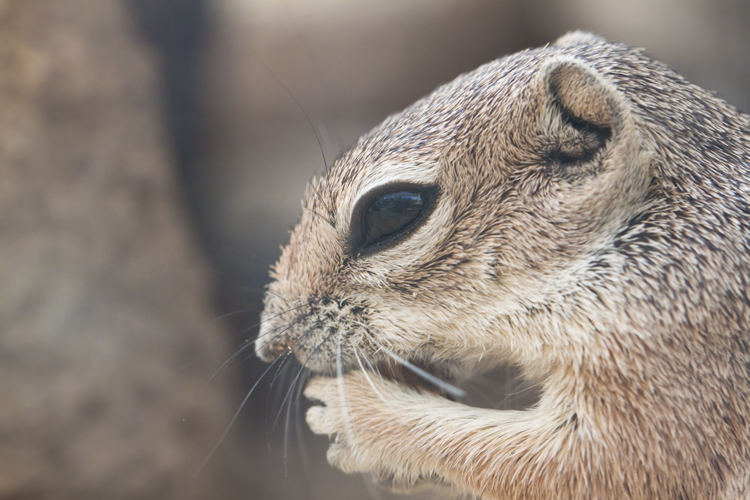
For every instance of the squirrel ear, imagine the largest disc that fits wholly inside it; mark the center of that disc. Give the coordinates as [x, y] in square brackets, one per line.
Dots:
[583, 112]
[590, 139]
[581, 93]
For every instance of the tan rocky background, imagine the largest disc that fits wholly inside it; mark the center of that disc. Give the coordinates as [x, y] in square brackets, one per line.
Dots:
[106, 330]
[152, 157]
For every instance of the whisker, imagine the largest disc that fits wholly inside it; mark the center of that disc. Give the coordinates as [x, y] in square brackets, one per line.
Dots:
[309, 121]
[322, 87]
[328, 220]
[302, 370]
[374, 369]
[288, 355]
[286, 423]
[513, 397]
[275, 330]
[300, 433]
[274, 294]
[226, 363]
[255, 337]
[250, 343]
[369, 380]
[449, 388]
[289, 351]
[232, 313]
[526, 389]
[285, 366]
[294, 382]
[291, 96]
[233, 419]
[294, 308]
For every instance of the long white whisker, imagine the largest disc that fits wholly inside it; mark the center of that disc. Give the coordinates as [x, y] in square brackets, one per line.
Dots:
[292, 345]
[233, 419]
[286, 424]
[226, 363]
[294, 308]
[449, 388]
[282, 375]
[299, 374]
[294, 383]
[249, 343]
[373, 368]
[442, 384]
[369, 380]
[275, 333]
[298, 421]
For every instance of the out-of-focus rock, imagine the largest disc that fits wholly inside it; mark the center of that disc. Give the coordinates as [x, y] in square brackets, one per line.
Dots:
[106, 335]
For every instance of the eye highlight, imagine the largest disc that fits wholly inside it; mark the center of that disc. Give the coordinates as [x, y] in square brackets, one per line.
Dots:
[384, 216]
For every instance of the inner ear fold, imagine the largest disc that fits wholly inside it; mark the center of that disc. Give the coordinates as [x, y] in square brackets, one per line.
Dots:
[584, 115]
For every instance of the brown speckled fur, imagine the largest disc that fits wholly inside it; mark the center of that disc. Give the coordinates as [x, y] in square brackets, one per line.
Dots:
[617, 281]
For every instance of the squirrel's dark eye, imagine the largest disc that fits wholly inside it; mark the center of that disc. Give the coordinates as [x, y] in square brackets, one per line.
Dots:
[390, 214]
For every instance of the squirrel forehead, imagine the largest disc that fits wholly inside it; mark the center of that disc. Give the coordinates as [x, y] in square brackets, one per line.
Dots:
[434, 126]
[499, 93]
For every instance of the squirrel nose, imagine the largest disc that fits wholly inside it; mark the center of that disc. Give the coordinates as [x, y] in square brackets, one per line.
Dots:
[270, 343]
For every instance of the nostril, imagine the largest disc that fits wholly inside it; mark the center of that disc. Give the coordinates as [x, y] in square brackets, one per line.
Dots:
[265, 354]
[270, 344]
[269, 351]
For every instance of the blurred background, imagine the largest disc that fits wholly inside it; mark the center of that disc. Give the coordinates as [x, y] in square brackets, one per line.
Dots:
[152, 158]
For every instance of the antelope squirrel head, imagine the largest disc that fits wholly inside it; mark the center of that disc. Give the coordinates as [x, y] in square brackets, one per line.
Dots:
[471, 228]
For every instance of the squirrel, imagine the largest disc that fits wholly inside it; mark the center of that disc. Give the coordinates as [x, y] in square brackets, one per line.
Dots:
[579, 211]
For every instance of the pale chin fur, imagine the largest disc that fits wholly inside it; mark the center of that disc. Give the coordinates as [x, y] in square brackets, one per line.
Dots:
[572, 236]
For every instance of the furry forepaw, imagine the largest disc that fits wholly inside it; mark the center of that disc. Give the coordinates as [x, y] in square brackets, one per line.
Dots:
[359, 413]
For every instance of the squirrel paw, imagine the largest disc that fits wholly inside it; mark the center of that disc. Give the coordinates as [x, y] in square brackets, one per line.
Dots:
[360, 413]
